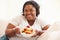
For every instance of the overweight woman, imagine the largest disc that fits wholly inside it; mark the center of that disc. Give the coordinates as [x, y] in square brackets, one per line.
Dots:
[27, 19]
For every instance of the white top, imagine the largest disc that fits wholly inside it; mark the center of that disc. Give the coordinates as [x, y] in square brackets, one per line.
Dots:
[21, 22]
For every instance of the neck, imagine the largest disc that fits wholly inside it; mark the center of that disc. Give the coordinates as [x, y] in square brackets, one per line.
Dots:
[31, 22]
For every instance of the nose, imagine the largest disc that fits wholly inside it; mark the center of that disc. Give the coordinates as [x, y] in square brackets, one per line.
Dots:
[28, 12]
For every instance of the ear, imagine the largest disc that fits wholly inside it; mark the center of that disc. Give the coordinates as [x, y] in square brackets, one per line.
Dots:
[23, 14]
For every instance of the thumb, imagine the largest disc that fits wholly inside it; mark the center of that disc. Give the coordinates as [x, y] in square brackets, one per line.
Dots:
[17, 30]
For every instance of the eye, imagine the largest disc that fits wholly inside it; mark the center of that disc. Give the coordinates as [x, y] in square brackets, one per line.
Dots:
[31, 10]
[25, 10]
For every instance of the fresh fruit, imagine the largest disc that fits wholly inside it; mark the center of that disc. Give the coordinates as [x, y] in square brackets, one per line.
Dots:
[27, 30]
[28, 26]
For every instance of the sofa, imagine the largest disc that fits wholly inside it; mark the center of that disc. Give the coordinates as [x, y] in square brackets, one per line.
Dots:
[53, 33]
[3, 25]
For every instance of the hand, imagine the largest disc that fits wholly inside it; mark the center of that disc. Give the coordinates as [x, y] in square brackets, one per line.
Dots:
[17, 30]
[45, 27]
[11, 30]
[37, 33]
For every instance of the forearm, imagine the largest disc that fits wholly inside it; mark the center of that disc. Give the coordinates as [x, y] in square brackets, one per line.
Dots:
[10, 32]
[45, 27]
[40, 32]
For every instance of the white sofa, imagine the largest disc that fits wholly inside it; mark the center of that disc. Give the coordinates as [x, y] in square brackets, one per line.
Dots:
[53, 33]
[3, 25]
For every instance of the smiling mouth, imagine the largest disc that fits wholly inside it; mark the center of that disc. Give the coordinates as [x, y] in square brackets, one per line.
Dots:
[29, 15]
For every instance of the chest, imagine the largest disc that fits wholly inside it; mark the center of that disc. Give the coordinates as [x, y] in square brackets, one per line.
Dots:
[35, 25]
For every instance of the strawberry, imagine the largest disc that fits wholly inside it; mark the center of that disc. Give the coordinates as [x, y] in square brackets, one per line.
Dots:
[28, 26]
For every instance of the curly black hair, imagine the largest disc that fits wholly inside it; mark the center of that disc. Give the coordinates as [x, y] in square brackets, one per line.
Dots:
[34, 5]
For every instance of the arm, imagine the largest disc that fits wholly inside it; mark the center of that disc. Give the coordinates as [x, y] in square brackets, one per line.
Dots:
[9, 31]
[41, 32]
[45, 27]
[37, 33]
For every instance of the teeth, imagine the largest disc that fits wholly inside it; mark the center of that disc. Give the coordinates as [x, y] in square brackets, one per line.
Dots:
[29, 15]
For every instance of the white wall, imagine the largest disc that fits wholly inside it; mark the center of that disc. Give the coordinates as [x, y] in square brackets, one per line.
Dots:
[50, 9]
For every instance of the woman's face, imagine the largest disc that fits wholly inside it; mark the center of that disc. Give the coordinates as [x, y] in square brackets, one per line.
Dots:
[30, 12]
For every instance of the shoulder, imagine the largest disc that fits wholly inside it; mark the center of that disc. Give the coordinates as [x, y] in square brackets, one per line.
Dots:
[40, 20]
[17, 20]
[17, 17]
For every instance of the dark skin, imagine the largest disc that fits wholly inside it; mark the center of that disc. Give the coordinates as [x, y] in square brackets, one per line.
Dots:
[10, 32]
[41, 32]
[30, 15]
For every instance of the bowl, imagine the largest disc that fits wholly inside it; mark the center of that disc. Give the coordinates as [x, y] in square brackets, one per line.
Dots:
[27, 32]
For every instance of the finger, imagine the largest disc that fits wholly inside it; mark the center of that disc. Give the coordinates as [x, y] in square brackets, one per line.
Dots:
[34, 35]
[17, 30]
[10, 26]
[36, 31]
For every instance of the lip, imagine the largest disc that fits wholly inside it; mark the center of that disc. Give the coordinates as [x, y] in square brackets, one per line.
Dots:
[29, 15]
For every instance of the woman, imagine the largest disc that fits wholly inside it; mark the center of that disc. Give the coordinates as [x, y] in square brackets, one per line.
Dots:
[29, 18]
